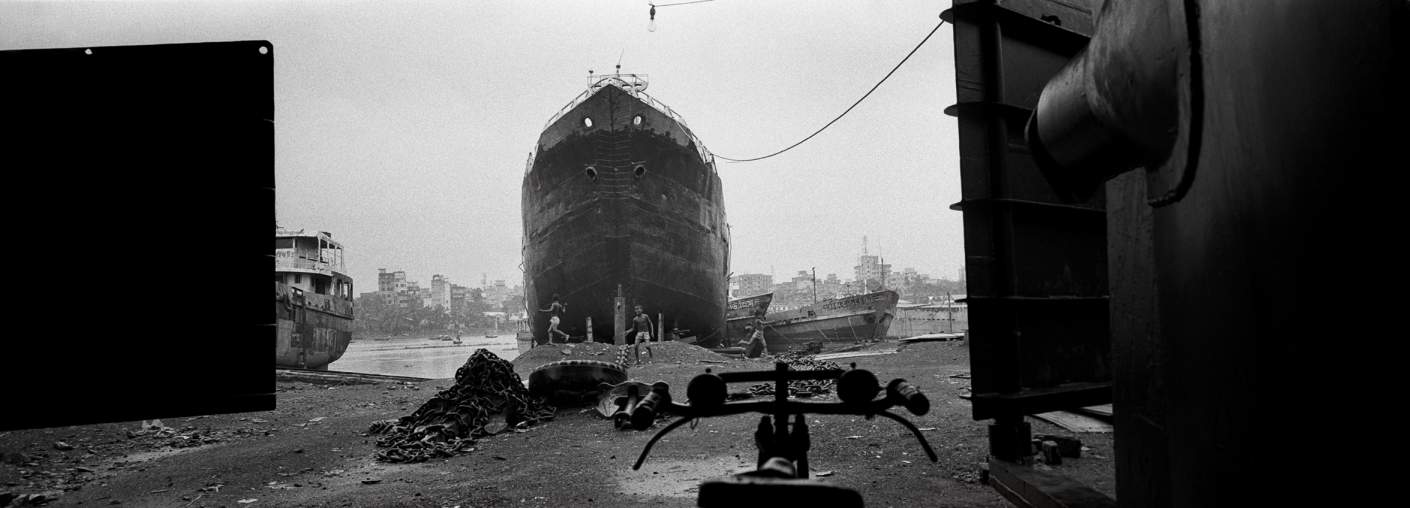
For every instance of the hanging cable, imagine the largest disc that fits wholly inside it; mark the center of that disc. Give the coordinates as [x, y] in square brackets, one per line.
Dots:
[651, 26]
[849, 108]
[681, 3]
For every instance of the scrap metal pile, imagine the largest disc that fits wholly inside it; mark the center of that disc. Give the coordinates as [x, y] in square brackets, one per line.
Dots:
[799, 387]
[486, 389]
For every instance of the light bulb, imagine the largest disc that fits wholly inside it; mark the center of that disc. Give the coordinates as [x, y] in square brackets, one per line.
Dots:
[651, 27]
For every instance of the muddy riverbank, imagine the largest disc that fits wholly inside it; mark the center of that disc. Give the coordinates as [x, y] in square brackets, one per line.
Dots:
[314, 451]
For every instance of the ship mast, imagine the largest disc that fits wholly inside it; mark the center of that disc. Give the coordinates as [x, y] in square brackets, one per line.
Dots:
[815, 286]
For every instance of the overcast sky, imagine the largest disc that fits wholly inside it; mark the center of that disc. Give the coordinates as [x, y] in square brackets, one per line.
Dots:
[403, 128]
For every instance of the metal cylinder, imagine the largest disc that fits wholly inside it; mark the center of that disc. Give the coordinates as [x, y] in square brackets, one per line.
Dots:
[1113, 107]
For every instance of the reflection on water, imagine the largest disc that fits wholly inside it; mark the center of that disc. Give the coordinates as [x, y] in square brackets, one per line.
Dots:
[419, 357]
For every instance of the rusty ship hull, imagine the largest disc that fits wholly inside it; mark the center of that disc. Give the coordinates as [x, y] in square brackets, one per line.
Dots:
[313, 330]
[620, 199]
[833, 322]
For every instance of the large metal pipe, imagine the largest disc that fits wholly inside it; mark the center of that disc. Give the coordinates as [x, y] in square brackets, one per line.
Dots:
[1113, 107]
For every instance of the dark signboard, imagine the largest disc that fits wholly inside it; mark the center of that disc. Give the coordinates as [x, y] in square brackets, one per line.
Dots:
[143, 178]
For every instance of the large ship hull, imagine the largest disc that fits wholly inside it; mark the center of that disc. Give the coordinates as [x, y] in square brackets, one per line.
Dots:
[832, 322]
[313, 330]
[629, 206]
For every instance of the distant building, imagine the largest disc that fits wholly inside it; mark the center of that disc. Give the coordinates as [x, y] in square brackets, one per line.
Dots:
[424, 296]
[459, 296]
[386, 281]
[870, 271]
[395, 290]
[831, 287]
[399, 282]
[803, 281]
[752, 284]
[440, 291]
[497, 293]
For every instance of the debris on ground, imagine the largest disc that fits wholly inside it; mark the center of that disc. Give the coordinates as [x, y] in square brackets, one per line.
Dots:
[486, 388]
[1066, 446]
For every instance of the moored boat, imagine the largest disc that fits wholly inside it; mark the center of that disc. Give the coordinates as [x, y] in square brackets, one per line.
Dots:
[836, 321]
[313, 300]
[620, 199]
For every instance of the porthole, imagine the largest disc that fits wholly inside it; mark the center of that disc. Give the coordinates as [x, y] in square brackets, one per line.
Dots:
[636, 120]
[640, 171]
[592, 174]
[587, 122]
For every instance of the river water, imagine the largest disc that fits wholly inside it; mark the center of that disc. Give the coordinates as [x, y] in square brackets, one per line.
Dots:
[426, 358]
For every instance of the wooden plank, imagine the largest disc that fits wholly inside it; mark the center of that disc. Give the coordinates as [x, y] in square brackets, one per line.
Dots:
[835, 356]
[1055, 398]
[1100, 411]
[1074, 422]
[933, 337]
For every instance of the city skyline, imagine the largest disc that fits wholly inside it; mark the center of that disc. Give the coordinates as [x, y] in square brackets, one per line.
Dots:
[489, 281]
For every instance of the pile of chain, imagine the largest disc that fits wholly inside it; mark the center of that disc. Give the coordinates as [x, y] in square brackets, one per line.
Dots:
[486, 388]
[800, 387]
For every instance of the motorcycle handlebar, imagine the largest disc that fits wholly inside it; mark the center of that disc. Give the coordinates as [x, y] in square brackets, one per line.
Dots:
[909, 395]
[899, 392]
[709, 390]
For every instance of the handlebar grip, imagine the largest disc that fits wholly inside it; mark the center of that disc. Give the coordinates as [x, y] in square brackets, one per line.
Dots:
[909, 396]
[645, 412]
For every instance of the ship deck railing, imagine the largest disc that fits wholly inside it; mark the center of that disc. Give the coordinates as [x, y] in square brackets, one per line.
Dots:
[287, 259]
[632, 85]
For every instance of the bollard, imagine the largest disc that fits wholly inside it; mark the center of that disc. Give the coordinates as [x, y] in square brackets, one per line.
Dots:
[660, 326]
[619, 319]
[589, 329]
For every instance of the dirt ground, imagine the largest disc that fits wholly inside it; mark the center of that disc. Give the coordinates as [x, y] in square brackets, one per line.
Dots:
[314, 451]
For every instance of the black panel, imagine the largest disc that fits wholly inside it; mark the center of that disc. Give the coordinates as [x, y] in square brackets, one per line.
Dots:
[145, 178]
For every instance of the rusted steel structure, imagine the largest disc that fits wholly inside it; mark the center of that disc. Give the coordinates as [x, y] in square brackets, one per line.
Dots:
[621, 199]
[1213, 157]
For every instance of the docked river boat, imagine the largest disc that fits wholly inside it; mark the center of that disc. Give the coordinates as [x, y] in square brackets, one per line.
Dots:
[313, 300]
[836, 321]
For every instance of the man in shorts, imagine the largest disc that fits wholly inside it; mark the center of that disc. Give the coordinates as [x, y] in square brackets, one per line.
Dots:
[641, 327]
[755, 346]
[555, 312]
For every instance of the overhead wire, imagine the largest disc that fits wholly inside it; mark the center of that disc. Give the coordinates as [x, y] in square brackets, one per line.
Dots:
[681, 3]
[849, 108]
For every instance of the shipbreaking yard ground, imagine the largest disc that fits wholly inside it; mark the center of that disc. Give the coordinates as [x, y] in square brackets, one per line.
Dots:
[313, 451]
